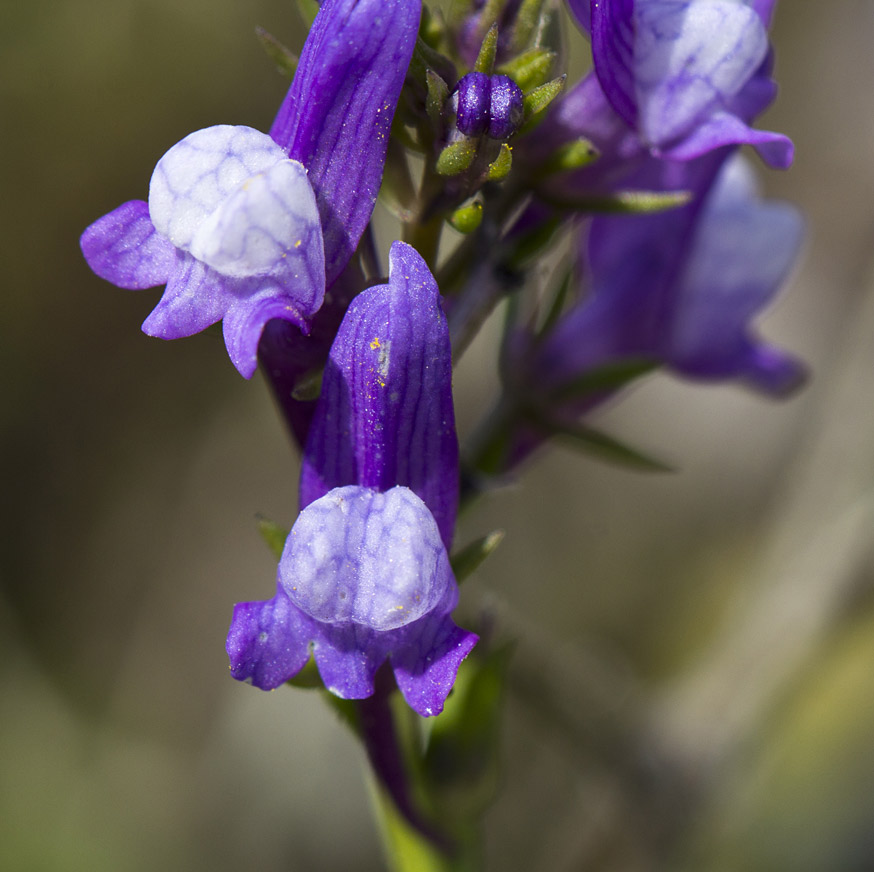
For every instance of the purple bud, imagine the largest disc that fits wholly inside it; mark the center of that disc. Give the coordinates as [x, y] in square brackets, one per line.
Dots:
[474, 97]
[488, 104]
[505, 111]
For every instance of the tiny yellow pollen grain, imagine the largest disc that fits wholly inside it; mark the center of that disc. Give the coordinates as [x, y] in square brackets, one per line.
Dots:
[298, 243]
[376, 343]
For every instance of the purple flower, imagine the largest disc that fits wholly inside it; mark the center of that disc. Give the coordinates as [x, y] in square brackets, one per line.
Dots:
[681, 287]
[236, 230]
[685, 74]
[231, 227]
[365, 576]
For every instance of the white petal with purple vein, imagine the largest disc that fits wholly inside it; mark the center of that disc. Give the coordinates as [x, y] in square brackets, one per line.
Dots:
[198, 173]
[689, 57]
[270, 217]
[374, 559]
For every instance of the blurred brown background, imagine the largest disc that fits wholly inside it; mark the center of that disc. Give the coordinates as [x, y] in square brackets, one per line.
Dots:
[724, 613]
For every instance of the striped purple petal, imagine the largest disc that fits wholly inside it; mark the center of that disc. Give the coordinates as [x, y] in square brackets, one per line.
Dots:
[385, 414]
[337, 114]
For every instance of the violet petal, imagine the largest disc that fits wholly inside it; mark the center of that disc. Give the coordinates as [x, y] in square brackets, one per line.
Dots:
[697, 277]
[723, 128]
[195, 298]
[613, 45]
[743, 249]
[124, 248]
[337, 114]
[385, 414]
[426, 667]
[348, 657]
[667, 65]
[245, 319]
[268, 642]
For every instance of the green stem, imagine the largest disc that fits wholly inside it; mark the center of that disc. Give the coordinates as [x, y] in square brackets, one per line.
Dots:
[412, 840]
[378, 731]
[425, 238]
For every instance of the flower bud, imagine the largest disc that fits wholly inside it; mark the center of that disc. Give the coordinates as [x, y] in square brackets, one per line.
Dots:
[474, 98]
[490, 105]
[505, 110]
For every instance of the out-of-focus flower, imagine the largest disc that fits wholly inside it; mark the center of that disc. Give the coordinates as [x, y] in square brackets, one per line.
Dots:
[681, 288]
[685, 74]
[365, 576]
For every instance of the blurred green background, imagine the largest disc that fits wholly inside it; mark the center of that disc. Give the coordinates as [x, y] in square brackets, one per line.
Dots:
[711, 627]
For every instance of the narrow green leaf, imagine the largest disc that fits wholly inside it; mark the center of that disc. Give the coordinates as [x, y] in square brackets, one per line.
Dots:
[285, 59]
[571, 156]
[606, 447]
[433, 27]
[426, 58]
[531, 244]
[308, 678]
[559, 299]
[537, 100]
[500, 167]
[485, 60]
[438, 94]
[471, 557]
[345, 709]
[609, 377]
[406, 849]
[530, 69]
[462, 759]
[488, 15]
[527, 23]
[308, 387]
[456, 157]
[272, 534]
[622, 202]
[308, 10]
[398, 191]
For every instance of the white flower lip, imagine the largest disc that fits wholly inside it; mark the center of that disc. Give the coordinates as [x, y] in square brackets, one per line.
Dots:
[689, 57]
[373, 559]
[230, 197]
